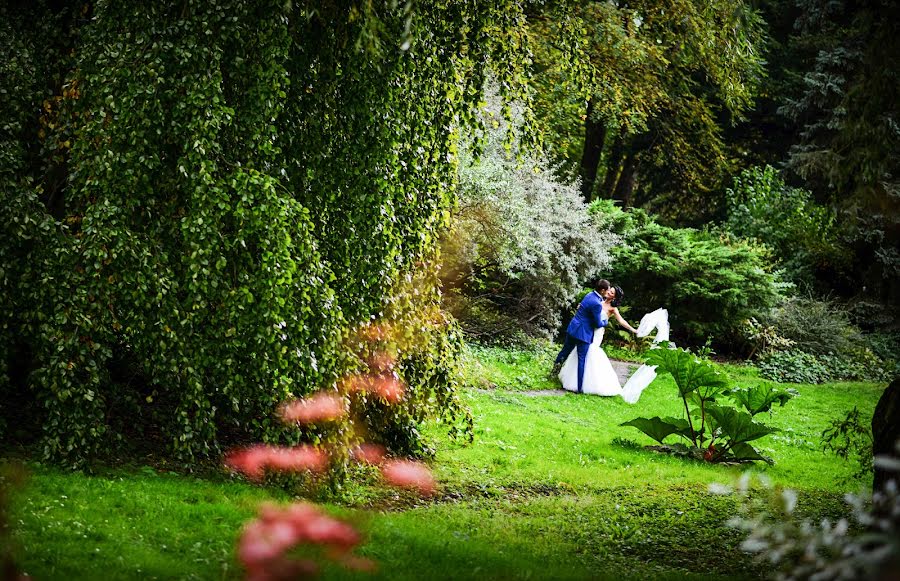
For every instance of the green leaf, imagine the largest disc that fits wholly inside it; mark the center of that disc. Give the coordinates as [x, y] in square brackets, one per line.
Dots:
[760, 398]
[691, 373]
[736, 426]
[744, 451]
[658, 428]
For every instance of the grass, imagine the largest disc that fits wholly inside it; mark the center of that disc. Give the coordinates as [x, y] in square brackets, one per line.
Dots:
[131, 524]
[510, 369]
[551, 488]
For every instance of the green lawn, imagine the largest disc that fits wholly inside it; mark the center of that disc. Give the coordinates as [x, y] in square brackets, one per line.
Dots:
[550, 489]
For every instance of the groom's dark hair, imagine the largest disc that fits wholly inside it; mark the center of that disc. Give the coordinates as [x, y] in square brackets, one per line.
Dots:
[599, 283]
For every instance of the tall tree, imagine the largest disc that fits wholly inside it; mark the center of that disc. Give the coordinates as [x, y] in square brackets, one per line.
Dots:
[668, 72]
[848, 111]
[211, 195]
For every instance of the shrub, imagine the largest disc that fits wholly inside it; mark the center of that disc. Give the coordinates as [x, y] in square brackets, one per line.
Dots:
[763, 339]
[803, 234]
[886, 346]
[814, 326]
[710, 282]
[875, 317]
[795, 366]
[819, 343]
[521, 243]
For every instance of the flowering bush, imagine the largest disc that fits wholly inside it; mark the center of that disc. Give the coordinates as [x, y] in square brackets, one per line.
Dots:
[267, 544]
[521, 242]
[865, 546]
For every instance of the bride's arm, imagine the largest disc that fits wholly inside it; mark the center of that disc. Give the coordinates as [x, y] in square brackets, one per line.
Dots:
[622, 321]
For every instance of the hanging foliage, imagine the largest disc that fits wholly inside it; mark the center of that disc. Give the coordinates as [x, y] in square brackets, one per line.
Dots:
[212, 193]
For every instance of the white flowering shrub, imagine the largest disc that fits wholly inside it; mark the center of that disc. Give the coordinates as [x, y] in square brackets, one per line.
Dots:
[864, 546]
[521, 244]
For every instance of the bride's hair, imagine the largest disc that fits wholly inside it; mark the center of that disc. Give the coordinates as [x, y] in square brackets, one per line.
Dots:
[619, 294]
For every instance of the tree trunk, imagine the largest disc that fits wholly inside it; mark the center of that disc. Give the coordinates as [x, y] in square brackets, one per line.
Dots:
[625, 184]
[594, 136]
[886, 431]
[613, 165]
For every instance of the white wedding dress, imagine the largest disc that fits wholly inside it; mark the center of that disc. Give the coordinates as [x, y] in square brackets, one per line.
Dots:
[599, 376]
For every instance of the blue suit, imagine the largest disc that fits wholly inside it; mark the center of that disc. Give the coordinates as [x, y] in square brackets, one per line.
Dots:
[580, 331]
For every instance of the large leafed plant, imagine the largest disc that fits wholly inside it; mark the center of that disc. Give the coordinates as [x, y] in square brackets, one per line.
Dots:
[710, 429]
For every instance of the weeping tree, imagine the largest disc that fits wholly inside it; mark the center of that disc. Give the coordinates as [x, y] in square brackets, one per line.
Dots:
[201, 200]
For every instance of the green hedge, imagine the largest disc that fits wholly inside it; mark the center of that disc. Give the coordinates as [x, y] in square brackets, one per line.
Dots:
[709, 281]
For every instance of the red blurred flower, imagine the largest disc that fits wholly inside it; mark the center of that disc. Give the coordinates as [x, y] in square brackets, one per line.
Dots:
[409, 474]
[265, 541]
[387, 386]
[254, 460]
[320, 407]
[709, 453]
[368, 453]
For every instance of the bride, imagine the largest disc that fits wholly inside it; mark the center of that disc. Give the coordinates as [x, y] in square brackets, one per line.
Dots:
[599, 376]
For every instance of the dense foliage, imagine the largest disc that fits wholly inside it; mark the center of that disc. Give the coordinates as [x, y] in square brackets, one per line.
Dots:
[806, 340]
[521, 242]
[201, 198]
[710, 282]
[847, 114]
[804, 235]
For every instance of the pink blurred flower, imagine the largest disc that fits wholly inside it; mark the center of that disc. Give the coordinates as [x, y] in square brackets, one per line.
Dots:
[254, 460]
[387, 386]
[409, 474]
[263, 544]
[283, 569]
[320, 407]
[368, 453]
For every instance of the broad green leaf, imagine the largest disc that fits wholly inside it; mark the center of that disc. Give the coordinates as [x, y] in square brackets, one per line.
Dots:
[760, 398]
[691, 373]
[744, 451]
[658, 428]
[736, 426]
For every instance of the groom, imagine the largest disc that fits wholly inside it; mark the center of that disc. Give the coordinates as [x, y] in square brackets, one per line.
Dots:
[580, 331]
